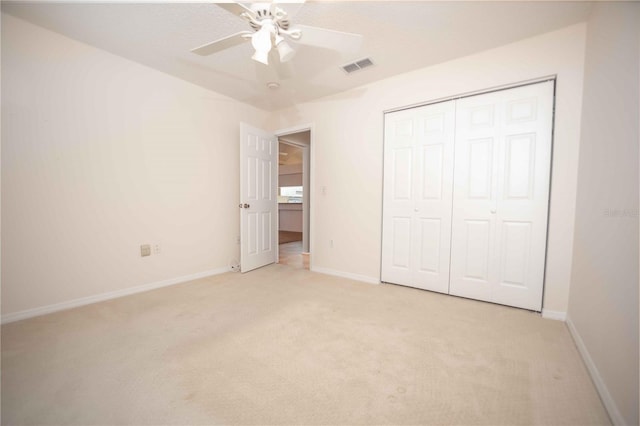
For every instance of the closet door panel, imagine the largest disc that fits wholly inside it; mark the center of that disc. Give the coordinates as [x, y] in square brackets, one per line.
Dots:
[475, 185]
[428, 133]
[400, 250]
[523, 195]
[399, 164]
[430, 240]
[510, 195]
[434, 187]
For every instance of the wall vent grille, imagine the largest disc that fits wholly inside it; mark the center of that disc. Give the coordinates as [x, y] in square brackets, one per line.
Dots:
[357, 65]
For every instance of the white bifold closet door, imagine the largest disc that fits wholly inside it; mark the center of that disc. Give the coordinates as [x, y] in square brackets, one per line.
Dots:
[501, 196]
[466, 190]
[418, 166]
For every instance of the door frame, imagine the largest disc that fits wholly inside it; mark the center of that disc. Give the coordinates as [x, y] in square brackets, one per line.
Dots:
[308, 196]
[305, 185]
[551, 77]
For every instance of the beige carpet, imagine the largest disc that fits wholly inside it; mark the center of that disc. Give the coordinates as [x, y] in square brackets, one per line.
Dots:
[282, 345]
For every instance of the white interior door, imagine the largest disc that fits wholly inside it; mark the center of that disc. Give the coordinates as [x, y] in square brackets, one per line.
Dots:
[500, 200]
[418, 169]
[258, 200]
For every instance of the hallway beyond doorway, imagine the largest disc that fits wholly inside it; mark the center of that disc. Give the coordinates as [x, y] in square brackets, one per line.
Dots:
[290, 254]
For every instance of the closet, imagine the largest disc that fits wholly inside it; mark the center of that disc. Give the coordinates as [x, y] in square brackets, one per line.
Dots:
[466, 195]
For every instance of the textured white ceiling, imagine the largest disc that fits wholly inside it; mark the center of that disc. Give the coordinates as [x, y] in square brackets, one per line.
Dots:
[398, 36]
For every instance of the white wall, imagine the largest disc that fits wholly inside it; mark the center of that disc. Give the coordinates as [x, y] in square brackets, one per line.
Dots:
[348, 137]
[100, 155]
[603, 304]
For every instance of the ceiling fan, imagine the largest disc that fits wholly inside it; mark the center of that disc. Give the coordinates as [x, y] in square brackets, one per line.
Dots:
[270, 31]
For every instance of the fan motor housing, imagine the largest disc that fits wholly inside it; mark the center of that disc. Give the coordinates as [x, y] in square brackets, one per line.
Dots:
[280, 19]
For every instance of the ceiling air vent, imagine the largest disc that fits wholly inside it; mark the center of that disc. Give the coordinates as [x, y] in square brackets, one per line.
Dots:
[357, 65]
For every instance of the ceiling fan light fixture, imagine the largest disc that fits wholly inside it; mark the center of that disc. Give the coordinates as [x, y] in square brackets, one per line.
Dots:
[285, 51]
[261, 56]
[271, 30]
[261, 42]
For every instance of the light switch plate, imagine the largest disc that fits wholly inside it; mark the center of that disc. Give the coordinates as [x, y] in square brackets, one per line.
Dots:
[145, 250]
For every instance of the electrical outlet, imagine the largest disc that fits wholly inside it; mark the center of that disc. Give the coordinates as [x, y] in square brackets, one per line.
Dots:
[145, 250]
[156, 249]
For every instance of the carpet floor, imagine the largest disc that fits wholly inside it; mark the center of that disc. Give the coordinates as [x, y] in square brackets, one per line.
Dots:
[288, 346]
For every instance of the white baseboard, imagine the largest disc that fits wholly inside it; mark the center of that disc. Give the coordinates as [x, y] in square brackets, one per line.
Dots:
[43, 310]
[554, 315]
[607, 400]
[349, 275]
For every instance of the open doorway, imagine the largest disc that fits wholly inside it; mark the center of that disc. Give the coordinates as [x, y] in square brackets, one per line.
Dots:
[293, 198]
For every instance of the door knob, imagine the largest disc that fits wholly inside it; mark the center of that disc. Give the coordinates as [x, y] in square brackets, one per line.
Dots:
[246, 206]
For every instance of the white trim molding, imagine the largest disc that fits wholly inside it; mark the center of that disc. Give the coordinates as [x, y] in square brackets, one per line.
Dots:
[349, 275]
[603, 391]
[74, 303]
[295, 129]
[554, 315]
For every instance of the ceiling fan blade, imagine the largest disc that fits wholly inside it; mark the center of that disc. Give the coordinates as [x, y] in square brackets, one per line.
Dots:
[329, 39]
[235, 8]
[221, 44]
